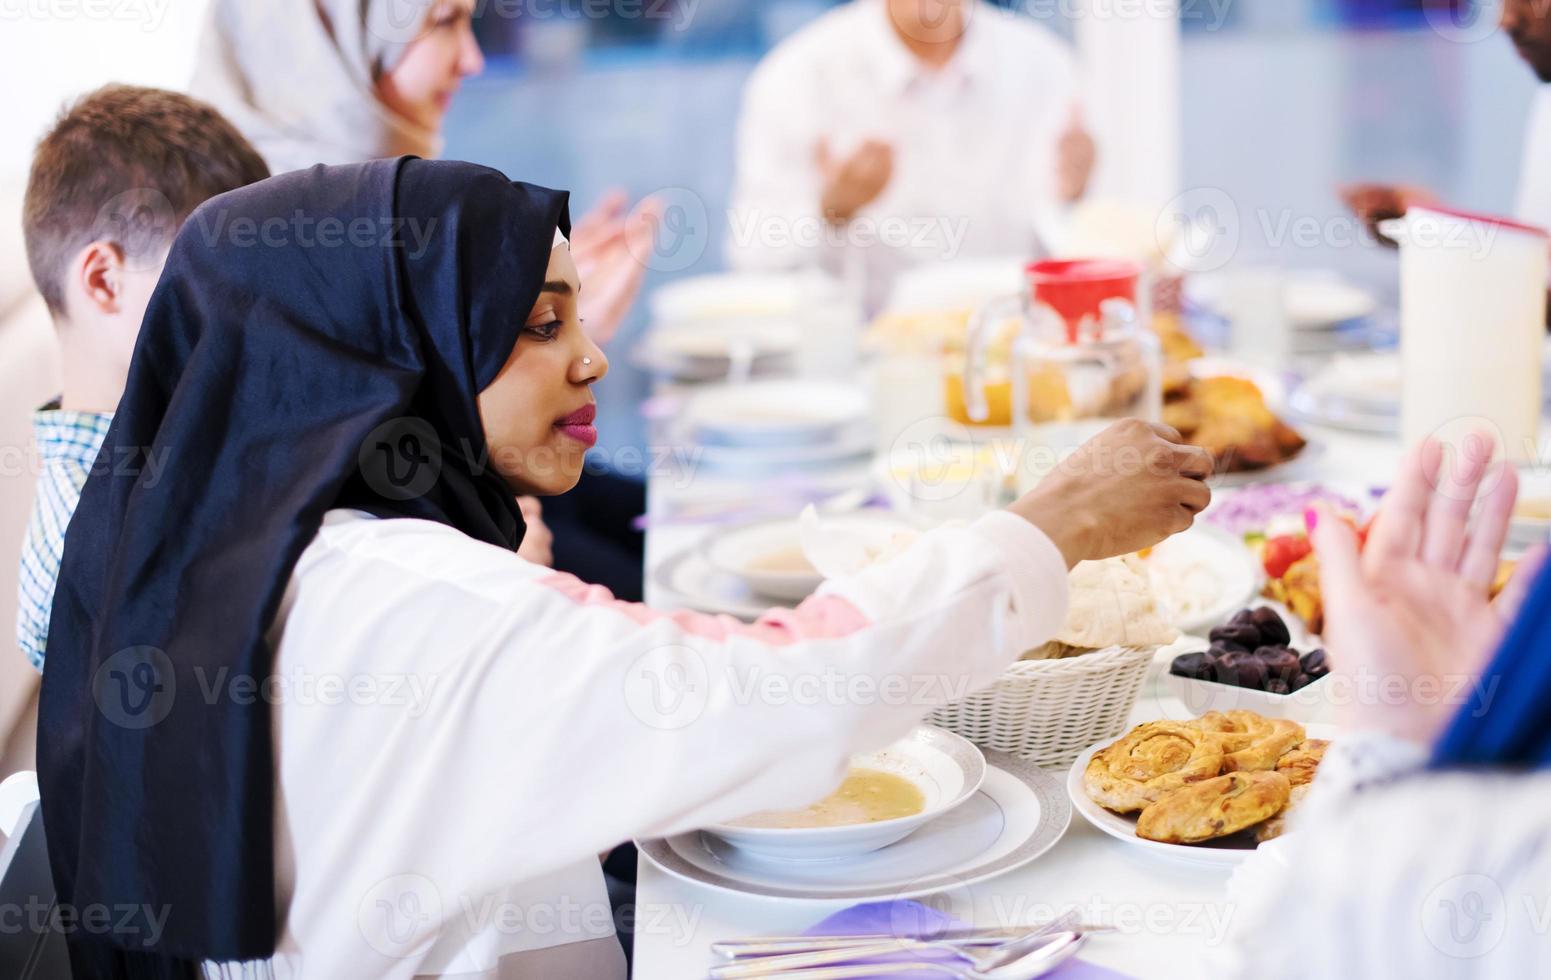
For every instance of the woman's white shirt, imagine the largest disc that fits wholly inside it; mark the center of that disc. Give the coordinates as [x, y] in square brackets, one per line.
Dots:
[460, 733]
[1395, 871]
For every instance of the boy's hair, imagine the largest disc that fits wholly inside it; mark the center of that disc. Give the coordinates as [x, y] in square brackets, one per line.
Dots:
[128, 165]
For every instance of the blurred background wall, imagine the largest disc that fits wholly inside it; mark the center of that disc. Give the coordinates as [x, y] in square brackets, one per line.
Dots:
[1279, 101]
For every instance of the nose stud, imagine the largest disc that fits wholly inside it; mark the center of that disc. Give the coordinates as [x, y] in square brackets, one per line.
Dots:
[587, 362]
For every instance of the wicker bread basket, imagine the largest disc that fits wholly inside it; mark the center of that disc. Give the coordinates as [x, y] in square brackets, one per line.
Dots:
[1048, 711]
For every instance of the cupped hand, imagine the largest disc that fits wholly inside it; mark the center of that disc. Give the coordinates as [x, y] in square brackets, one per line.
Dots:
[1409, 624]
[1126, 489]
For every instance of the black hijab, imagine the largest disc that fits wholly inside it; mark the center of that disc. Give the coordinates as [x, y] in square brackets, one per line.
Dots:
[317, 340]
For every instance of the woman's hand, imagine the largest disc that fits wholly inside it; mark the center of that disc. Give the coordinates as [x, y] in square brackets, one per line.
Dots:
[538, 542]
[611, 246]
[1408, 621]
[1125, 489]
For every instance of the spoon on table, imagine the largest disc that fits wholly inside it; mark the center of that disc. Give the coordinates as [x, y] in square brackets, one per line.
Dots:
[1021, 959]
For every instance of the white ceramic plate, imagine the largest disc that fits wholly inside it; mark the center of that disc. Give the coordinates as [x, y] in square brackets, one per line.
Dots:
[710, 352]
[689, 581]
[773, 413]
[852, 445]
[727, 296]
[1356, 392]
[1018, 814]
[1204, 576]
[947, 768]
[1324, 302]
[1227, 852]
[736, 551]
[1300, 467]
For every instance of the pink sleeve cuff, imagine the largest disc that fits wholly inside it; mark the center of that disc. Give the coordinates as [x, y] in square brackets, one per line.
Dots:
[822, 617]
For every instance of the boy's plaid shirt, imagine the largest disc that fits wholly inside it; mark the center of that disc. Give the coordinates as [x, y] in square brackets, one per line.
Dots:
[67, 444]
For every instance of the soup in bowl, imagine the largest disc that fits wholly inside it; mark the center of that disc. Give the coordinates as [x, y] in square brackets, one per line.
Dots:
[886, 795]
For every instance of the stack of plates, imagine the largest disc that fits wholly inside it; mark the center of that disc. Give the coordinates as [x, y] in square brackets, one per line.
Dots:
[712, 352]
[771, 427]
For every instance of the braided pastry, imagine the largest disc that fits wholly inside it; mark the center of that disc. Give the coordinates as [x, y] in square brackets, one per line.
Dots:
[1214, 808]
[1300, 764]
[1151, 760]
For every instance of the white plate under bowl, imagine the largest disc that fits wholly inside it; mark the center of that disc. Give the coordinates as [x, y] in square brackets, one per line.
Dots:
[947, 768]
[732, 550]
[1018, 814]
[687, 580]
[1215, 571]
[1220, 853]
[773, 413]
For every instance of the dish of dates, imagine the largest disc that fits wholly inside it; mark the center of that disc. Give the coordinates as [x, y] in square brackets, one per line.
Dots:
[1252, 650]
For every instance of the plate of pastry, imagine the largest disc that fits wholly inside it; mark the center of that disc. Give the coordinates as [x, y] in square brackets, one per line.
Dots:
[1208, 790]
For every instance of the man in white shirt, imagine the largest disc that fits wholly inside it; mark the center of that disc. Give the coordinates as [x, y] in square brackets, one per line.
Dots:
[889, 133]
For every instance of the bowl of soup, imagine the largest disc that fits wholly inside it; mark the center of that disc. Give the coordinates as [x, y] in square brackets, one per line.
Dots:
[883, 798]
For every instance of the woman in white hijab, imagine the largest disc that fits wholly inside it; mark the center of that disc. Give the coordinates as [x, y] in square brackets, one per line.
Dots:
[342, 81]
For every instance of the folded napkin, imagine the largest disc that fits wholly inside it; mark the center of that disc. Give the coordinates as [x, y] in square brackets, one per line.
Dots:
[912, 920]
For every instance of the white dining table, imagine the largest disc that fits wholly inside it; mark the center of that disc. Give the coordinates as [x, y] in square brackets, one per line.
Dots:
[1168, 915]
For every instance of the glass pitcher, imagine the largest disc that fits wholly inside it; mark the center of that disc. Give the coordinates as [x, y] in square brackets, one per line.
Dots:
[1079, 358]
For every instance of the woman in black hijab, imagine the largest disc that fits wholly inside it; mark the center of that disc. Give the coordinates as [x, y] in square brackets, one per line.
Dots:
[306, 707]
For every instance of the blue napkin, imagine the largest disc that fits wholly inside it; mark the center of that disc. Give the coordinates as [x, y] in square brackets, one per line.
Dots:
[1507, 720]
[912, 920]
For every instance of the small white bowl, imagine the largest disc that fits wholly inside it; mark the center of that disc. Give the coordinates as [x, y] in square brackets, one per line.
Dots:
[945, 767]
[1309, 704]
[735, 550]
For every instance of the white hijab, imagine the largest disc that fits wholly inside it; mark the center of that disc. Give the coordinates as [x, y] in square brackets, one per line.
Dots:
[298, 77]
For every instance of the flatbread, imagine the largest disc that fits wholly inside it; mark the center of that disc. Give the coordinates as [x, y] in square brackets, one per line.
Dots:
[1112, 604]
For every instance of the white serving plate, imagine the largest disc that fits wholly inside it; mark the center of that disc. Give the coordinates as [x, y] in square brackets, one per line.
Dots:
[947, 768]
[1228, 577]
[768, 414]
[732, 550]
[1223, 853]
[1017, 815]
[1300, 468]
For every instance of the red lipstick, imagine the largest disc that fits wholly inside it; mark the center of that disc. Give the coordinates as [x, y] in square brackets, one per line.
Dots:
[578, 425]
